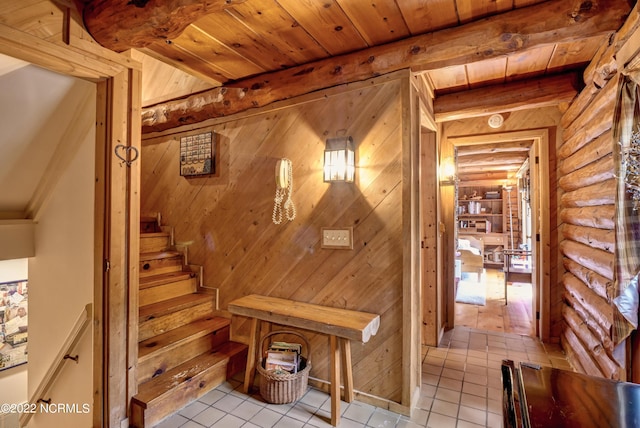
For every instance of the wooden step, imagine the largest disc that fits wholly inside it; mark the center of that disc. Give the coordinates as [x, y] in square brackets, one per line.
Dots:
[160, 353]
[158, 288]
[165, 278]
[155, 242]
[160, 317]
[160, 262]
[166, 394]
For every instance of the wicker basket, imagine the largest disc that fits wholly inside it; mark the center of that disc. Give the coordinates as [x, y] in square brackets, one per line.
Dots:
[287, 387]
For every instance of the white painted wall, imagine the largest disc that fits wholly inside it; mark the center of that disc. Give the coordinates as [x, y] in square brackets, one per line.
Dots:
[16, 240]
[61, 284]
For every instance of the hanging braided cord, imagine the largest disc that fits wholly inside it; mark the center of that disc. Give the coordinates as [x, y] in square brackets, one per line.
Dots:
[288, 208]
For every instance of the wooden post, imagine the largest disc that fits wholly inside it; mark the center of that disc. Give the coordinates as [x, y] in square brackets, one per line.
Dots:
[347, 370]
[335, 381]
[249, 373]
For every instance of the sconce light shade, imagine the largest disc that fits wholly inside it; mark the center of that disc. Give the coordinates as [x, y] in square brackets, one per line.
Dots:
[448, 171]
[339, 160]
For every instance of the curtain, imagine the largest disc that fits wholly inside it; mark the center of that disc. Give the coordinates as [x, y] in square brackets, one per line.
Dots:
[627, 223]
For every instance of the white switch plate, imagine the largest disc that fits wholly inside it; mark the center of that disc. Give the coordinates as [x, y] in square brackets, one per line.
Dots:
[337, 237]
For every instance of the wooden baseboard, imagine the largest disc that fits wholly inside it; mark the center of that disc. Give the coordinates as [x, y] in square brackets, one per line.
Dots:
[383, 403]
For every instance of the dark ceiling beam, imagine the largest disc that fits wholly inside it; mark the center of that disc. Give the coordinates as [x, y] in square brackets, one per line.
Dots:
[514, 96]
[123, 24]
[519, 30]
[492, 148]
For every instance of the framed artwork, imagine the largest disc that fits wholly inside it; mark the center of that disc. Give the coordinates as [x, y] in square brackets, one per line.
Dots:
[14, 318]
[198, 154]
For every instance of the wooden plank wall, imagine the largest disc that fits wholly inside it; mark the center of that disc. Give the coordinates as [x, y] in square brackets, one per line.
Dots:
[228, 217]
[586, 174]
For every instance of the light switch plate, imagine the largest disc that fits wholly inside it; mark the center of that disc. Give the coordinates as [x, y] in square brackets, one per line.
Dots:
[337, 238]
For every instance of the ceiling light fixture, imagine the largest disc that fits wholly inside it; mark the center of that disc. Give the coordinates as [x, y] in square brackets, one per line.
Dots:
[496, 121]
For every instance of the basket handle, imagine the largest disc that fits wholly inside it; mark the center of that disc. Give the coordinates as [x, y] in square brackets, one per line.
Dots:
[273, 333]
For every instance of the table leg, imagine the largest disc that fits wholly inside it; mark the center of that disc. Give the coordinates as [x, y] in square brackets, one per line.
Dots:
[506, 277]
[250, 371]
[335, 381]
[347, 370]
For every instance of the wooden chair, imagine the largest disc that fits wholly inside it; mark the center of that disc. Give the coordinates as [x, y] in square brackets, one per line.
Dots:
[471, 255]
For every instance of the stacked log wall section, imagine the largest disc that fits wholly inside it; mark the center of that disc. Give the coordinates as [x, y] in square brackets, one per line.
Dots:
[586, 182]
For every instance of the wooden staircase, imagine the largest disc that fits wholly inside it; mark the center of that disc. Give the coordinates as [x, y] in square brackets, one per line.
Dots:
[184, 350]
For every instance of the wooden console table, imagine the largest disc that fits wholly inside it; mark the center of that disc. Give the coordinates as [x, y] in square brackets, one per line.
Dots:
[341, 325]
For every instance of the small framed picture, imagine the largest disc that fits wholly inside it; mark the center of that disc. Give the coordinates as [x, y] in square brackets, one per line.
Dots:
[198, 154]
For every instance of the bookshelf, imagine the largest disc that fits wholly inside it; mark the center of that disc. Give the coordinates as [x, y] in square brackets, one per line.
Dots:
[482, 211]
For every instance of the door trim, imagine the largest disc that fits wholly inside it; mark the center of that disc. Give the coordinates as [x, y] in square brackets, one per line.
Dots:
[116, 246]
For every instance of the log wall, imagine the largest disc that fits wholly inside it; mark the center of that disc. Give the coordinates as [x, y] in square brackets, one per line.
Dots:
[229, 217]
[587, 209]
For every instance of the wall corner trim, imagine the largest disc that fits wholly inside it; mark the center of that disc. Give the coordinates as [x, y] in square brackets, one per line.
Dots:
[17, 239]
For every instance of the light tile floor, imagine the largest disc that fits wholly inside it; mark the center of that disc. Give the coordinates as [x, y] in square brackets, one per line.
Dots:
[461, 387]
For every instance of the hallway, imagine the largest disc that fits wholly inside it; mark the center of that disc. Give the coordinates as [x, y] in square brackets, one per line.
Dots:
[516, 317]
[461, 387]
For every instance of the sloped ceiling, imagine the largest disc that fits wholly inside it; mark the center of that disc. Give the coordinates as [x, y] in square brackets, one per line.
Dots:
[31, 125]
[33, 122]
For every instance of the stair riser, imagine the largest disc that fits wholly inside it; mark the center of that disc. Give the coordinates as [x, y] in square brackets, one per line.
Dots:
[186, 392]
[237, 363]
[180, 397]
[161, 324]
[166, 359]
[152, 244]
[162, 292]
[149, 226]
[159, 266]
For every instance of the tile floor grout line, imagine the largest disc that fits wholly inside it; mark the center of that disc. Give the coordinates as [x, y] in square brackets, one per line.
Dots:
[476, 388]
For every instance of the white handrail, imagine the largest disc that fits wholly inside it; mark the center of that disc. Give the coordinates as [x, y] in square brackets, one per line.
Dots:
[56, 366]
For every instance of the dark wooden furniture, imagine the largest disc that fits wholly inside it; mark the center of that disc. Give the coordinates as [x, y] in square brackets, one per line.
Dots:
[512, 274]
[535, 396]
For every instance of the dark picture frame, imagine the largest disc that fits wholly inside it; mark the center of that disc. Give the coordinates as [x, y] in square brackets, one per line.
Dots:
[198, 154]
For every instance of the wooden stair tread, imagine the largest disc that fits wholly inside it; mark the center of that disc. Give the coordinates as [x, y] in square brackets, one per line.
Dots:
[154, 234]
[176, 337]
[159, 255]
[155, 389]
[164, 278]
[155, 310]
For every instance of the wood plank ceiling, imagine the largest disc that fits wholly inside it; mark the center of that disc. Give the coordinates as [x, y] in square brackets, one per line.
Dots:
[243, 39]
[491, 161]
[252, 37]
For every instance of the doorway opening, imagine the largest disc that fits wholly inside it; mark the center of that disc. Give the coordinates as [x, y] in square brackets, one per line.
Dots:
[493, 254]
[494, 264]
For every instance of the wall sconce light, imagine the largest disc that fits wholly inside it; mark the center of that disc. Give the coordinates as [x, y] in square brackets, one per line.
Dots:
[339, 160]
[448, 171]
